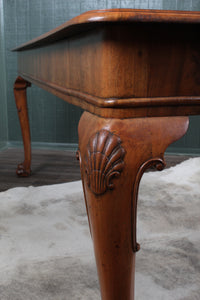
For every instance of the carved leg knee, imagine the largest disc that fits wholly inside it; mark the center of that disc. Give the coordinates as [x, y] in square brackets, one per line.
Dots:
[114, 154]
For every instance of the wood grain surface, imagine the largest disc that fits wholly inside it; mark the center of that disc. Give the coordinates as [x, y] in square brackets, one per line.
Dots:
[136, 73]
[113, 156]
[121, 69]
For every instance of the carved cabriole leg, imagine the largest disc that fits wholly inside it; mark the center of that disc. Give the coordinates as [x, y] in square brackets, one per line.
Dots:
[20, 86]
[114, 154]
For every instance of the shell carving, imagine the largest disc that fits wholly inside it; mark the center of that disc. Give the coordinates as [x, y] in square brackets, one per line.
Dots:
[104, 161]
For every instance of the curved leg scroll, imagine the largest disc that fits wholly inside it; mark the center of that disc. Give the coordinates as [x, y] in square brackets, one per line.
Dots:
[159, 164]
[20, 86]
[114, 154]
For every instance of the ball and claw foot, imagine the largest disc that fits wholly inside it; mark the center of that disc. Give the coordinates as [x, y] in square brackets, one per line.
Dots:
[22, 172]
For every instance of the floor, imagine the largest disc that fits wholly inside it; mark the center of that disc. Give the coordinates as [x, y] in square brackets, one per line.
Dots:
[48, 167]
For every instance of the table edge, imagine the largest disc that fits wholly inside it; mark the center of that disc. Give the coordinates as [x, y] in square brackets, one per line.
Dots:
[91, 18]
[114, 103]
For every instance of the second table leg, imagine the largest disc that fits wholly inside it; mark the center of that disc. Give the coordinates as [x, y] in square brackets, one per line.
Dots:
[20, 86]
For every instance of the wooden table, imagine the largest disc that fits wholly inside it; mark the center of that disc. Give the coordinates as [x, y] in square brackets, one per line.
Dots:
[136, 73]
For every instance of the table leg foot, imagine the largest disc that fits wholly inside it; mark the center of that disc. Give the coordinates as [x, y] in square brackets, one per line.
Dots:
[113, 155]
[20, 86]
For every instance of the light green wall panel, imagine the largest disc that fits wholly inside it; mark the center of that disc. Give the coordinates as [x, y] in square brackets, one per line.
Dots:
[53, 120]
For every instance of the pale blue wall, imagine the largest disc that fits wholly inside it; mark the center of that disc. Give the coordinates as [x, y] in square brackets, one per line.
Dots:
[53, 120]
[3, 99]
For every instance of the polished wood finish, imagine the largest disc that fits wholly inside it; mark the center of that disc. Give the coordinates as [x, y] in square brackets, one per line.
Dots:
[20, 86]
[133, 69]
[118, 152]
[136, 73]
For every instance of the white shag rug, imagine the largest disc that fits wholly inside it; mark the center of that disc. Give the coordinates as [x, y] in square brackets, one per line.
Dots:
[46, 251]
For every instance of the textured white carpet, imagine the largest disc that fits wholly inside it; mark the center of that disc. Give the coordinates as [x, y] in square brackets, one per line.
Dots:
[46, 252]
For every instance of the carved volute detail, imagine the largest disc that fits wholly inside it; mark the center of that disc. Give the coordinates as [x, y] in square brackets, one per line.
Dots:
[159, 164]
[103, 161]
